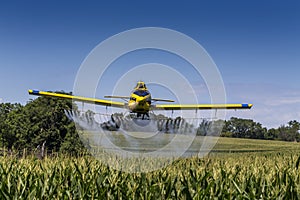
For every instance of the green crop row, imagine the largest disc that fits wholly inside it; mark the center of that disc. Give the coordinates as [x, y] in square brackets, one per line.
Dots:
[239, 175]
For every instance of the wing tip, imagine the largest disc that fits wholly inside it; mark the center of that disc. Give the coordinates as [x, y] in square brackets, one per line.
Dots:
[247, 105]
[34, 92]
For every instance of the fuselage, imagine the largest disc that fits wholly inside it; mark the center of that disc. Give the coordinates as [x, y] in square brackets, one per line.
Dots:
[140, 99]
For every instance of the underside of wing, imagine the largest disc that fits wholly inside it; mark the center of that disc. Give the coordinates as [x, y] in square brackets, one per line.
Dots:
[78, 98]
[200, 106]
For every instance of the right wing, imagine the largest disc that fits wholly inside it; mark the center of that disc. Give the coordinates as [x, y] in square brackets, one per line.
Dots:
[78, 98]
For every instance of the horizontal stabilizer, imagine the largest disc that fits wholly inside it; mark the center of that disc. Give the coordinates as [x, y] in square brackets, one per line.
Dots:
[117, 97]
[127, 97]
[165, 100]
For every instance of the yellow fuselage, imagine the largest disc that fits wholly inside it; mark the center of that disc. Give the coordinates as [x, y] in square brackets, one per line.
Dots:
[140, 101]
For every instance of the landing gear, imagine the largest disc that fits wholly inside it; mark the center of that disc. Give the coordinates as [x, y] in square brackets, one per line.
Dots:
[142, 116]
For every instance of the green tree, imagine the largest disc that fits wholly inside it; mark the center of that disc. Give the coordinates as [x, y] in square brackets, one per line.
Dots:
[8, 138]
[42, 120]
[271, 134]
[289, 132]
[244, 128]
[294, 127]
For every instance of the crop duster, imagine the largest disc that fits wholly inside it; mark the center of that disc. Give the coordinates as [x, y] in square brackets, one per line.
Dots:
[140, 102]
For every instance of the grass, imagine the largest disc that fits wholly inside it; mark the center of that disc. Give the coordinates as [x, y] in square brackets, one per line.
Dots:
[138, 141]
[236, 169]
[250, 145]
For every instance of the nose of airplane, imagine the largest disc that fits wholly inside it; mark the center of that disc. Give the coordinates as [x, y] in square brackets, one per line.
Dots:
[132, 105]
[141, 100]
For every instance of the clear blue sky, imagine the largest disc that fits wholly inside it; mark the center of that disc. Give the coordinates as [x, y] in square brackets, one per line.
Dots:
[255, 44]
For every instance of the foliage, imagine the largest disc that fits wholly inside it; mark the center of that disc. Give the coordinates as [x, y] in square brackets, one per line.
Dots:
[231, 176]
[244, 128]
[41, 120]
[247, 128]
[289, 132]
[6, 111]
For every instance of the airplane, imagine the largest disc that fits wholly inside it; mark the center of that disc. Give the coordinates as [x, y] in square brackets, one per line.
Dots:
[140, 102]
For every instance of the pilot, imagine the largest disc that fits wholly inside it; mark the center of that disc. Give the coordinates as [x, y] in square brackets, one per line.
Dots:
[141, 86]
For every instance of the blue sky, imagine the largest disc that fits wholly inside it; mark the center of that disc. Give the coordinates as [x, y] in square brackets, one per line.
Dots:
[255, 44]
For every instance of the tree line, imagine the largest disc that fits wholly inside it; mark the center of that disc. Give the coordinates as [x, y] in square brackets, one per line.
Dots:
[247, 128]
[43, 121]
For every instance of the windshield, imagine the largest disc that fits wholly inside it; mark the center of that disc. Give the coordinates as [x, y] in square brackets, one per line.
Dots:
[141, 93]
[140, 85]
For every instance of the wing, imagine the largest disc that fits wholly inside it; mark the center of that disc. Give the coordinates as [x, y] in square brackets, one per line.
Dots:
[78, 98]
[200, 106]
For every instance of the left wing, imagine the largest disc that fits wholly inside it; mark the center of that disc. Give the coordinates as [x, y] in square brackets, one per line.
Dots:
[78, 98]
[200, 106]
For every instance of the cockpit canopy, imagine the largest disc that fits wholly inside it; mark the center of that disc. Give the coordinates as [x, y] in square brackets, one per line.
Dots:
[141, 93]
[140, 86]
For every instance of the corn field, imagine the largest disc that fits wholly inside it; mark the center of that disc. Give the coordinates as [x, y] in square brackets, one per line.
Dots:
[239, 175]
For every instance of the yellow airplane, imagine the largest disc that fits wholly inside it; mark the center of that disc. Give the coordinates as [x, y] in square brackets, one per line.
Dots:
[140, 102]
